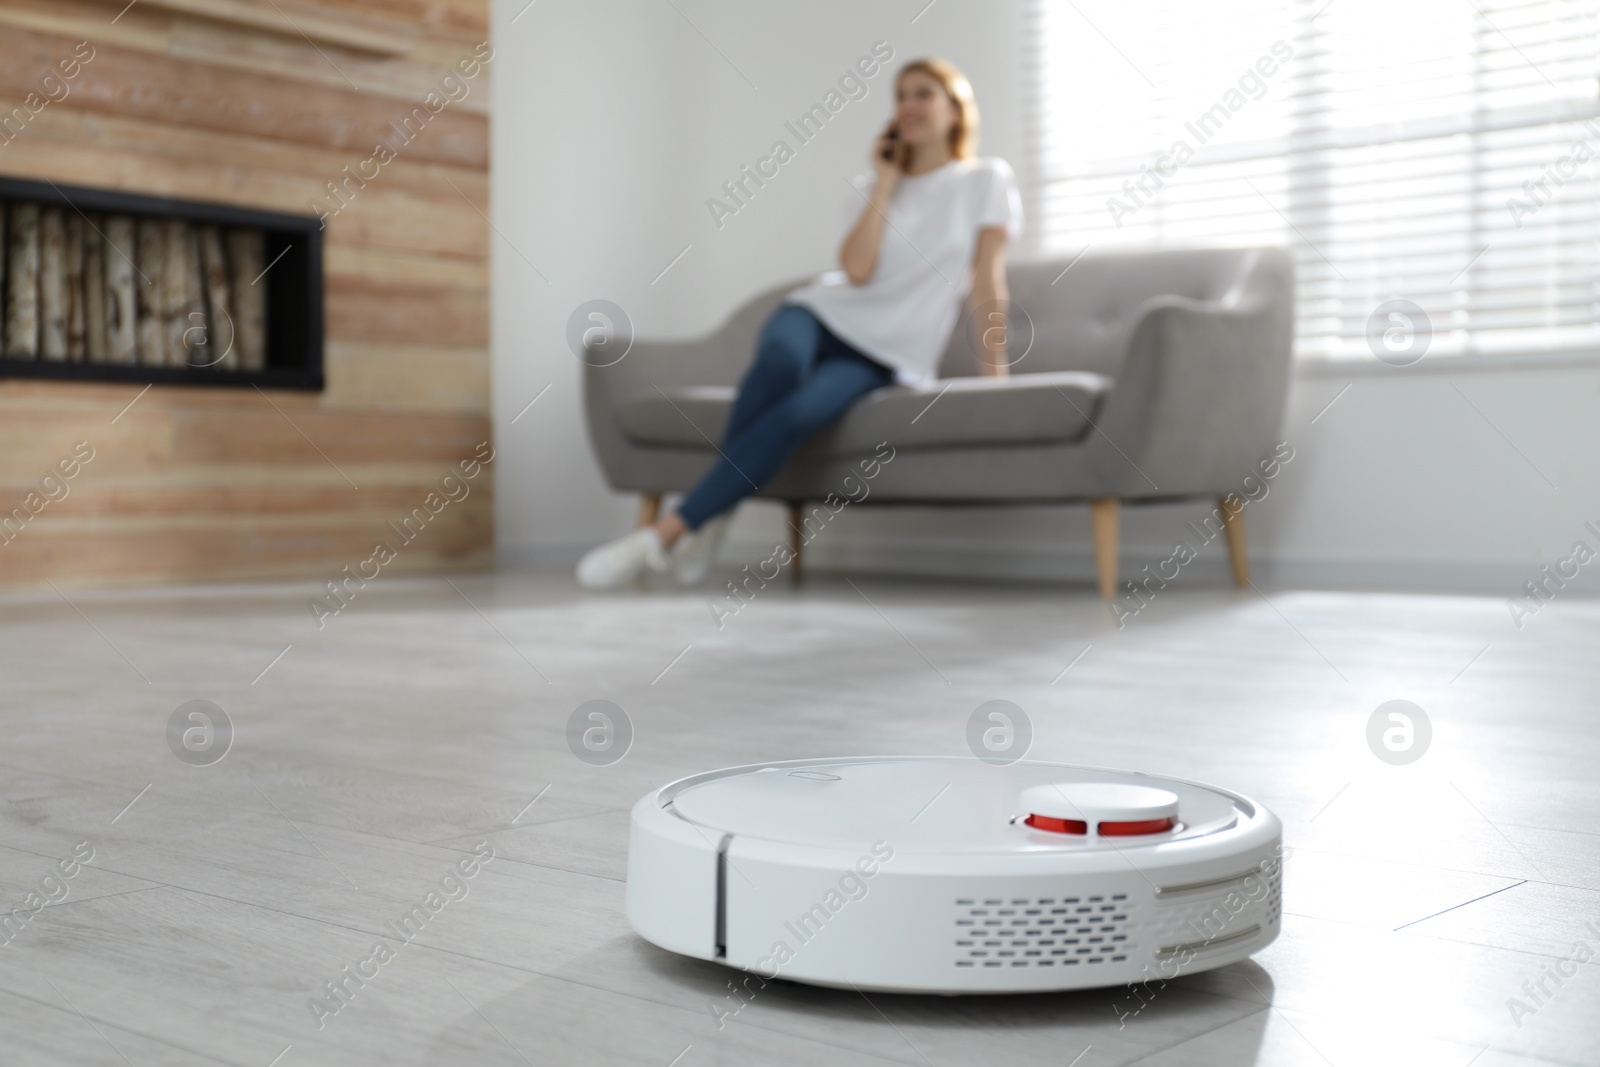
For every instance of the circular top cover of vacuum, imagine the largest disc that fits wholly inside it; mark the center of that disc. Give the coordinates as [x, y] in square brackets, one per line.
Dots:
[953, 875]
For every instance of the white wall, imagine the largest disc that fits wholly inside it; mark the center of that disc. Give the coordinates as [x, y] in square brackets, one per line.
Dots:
[615, 122]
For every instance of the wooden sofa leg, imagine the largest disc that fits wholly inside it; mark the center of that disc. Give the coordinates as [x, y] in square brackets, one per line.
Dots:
[1232, 509]
[1103, 514]
[649, 510]
[797, 509]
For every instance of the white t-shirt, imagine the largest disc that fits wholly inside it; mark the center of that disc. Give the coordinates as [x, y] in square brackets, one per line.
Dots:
[903, 315]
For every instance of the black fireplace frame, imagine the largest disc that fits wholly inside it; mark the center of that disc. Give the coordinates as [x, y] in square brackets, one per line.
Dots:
[294, 342]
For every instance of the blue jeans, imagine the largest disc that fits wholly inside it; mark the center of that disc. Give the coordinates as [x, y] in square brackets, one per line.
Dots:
[802, 379]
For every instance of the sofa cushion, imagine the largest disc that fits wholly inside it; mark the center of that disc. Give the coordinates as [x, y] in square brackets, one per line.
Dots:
[1023, 409]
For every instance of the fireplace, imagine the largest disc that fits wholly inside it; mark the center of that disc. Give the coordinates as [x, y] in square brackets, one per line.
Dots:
[111, 286]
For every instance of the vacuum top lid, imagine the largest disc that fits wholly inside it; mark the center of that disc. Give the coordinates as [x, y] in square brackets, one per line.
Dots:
[950, 805]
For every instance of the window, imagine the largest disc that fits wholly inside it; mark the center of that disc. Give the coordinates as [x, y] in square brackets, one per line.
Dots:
[1441, 153]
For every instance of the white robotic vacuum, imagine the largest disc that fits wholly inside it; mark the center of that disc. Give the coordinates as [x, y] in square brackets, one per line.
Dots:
[934, 875]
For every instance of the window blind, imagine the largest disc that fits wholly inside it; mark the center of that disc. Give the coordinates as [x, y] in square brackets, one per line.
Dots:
[1444, 153]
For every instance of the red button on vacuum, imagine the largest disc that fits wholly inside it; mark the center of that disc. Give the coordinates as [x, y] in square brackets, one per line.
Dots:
[1060, 826]
[1128, 829]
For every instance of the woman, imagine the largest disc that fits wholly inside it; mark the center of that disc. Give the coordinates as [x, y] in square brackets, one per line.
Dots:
[931, 225]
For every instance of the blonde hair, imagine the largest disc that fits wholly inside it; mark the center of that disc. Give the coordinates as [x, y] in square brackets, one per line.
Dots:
[964, 132]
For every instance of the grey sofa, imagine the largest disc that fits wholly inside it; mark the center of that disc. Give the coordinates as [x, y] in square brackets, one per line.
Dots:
[1153, 376]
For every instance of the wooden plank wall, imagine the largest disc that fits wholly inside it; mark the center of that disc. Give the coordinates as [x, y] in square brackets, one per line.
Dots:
[261, 105]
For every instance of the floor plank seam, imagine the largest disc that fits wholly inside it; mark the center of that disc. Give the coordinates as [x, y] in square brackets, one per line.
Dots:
[122, 1028]
[1264, 1009]
[1464, 903]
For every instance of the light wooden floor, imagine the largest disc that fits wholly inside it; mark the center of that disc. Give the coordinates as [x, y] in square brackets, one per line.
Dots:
[424, 719]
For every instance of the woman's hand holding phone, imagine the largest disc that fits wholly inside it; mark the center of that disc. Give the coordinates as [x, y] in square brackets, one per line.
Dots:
[888, 155]
[859, 253]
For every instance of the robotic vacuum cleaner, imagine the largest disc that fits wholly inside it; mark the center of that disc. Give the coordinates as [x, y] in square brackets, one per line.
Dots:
[942, 875]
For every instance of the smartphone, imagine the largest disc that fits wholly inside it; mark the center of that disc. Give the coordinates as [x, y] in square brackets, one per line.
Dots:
[894, 136]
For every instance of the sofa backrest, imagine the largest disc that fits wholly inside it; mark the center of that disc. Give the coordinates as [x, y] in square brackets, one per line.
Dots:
[1082, 319]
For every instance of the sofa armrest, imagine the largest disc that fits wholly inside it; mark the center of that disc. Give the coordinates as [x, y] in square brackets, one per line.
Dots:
[1199, 395]
[647, 364]
[715, 358]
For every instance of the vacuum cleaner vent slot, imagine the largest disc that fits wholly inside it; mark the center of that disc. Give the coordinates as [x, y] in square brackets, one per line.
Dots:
[1212, 945]
[1168, 892]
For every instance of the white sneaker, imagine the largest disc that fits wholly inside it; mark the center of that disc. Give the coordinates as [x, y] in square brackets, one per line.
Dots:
[692, 555]
[616, 563]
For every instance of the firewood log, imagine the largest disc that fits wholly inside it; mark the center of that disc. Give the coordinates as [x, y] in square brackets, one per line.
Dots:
[94, 289]
[72, 281]
[5, 256]
[22, 282]
[247, 258]
[52, 285]
[174, 293]
[219, 303]
[122, 291]
[149, 265]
